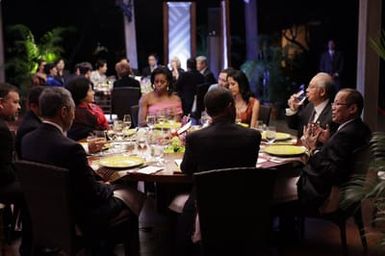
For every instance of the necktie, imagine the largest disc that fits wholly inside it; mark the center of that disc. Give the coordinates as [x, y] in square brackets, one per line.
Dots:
[312, 116]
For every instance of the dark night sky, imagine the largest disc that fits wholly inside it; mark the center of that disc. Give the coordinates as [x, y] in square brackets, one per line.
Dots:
[101, 21]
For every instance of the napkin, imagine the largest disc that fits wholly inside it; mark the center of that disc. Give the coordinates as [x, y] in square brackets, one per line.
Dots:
[149, 169]
[178, 162]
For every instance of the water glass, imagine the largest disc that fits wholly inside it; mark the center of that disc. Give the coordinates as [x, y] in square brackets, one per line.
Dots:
[151, 121]
[271, 133]
[127, 121]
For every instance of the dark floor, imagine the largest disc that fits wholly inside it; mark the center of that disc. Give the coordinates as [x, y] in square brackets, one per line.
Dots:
[321, 238]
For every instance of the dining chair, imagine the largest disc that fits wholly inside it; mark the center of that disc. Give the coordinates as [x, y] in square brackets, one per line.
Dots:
[234, 210]
[47, 194]
[264, 114]
[332, 210]
[201, 92]
[134, 110]
[122, 99]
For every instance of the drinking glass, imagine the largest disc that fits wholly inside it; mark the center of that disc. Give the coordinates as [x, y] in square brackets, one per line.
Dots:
[141, 139]
[271, 134]
[205, 119]
[151, 121]
[127, 121]
[117, 128]
[260, 126]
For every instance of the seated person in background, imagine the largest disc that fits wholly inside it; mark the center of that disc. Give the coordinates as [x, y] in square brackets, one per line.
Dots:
[40, 77]
[152, 65]
[176, 69]
[222, 79]
[88, 116]
[51, 71]
[161, 99]
[62, 73]
[123, 71]
[331, 165]
[319, 93]
[31, 119]
[98, 76]
[223, 144]
[247, 107]
[95, 203]
[84, 69]
[202, 67]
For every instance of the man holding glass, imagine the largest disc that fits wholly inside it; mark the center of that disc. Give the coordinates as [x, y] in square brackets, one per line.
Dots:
[222, 144]
[319, 93]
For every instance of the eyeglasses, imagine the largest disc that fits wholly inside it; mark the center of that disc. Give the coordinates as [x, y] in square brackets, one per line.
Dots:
[339, 104]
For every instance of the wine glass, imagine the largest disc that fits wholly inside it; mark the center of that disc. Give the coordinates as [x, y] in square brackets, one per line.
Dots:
[141, 139]
[151, 121]
[117, 128]
[271, 134]
[127, 121]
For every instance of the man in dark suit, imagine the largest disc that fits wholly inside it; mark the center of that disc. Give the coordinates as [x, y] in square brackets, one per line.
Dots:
[202, 67]
[31, 119]
[319, 93]
[10, 191]
[331, 165]
[9, 108]
[95, 203]
[223, 144]
[187, 85]
[332, 62]
[152, 64]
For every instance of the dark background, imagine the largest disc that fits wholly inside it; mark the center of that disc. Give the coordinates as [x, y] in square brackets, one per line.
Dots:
[100, 22]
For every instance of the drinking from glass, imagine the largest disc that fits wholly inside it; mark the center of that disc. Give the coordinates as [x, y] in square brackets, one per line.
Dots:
[270, 134]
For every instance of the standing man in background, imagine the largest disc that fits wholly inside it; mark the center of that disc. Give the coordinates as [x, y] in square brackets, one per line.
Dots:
[332, 62]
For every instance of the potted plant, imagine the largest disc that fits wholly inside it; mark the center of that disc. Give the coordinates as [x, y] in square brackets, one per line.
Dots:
[372, 187]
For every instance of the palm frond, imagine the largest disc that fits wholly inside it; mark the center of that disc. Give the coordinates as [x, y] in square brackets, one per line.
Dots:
[379, 45]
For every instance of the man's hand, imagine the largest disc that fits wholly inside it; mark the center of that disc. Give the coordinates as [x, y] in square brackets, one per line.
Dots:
[293, 102]
[310, 136]
[324, 134]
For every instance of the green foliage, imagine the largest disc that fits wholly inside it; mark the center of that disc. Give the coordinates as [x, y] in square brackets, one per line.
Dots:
[379, 45]
[266, 74]
[370, 186]
[24, 52]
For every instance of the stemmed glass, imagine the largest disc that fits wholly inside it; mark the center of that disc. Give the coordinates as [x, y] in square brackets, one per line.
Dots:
[127, 121]
[271, 134]
[151, 121]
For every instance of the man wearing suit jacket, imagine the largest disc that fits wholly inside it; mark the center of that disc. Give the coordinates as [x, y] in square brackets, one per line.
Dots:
[9, 108]
[31, 119]
[223, 144]
[319, 93]
[332, 62]
[202, 67]
[95, 203]
[332, 163]
[187, 85]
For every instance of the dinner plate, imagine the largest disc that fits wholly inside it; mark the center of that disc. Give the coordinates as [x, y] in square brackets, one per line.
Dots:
[168, 125]
[278, 136]
[243, 124]
[129, 132]
[285, 150]
[121, 161]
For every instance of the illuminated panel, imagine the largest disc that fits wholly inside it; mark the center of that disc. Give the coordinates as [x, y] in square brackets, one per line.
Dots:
[179, 31]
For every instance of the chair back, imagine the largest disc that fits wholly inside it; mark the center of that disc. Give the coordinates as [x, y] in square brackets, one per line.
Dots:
[123, 98]
[200, 106]
[360, 166]
[46, 191]
[234, 209]
[264, 114]
[134, 115]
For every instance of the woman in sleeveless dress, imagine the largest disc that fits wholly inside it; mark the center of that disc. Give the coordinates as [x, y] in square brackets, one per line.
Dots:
[247, 106]
[160, 101]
